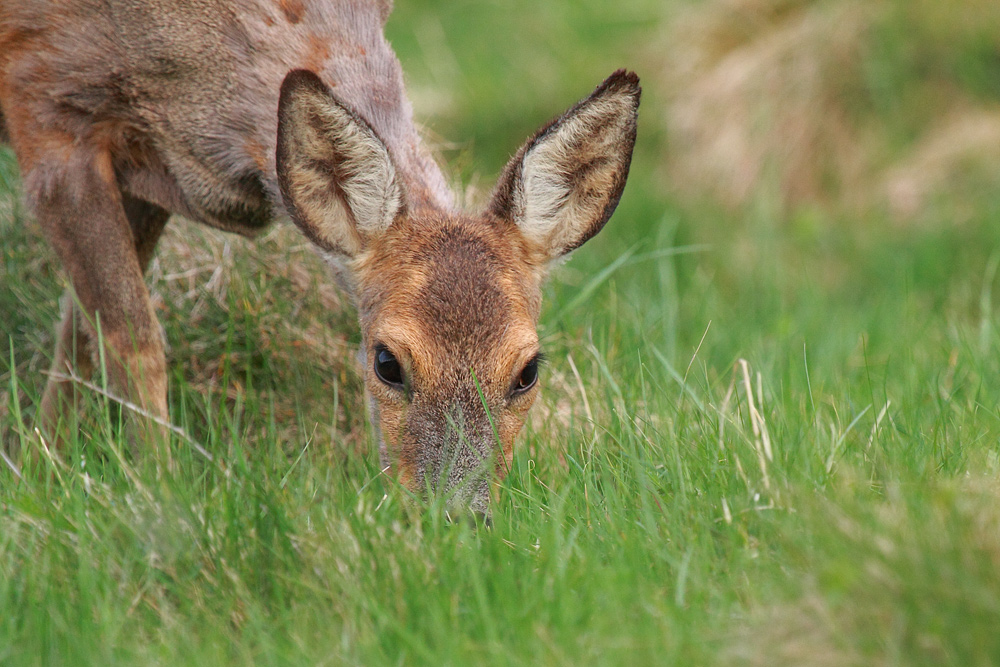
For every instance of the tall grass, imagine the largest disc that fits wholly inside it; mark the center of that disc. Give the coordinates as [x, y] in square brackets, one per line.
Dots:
[768, 431]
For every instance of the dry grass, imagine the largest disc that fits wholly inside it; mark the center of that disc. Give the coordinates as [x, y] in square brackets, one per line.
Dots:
[799, 100]
[264, 301]
[795, 634]
[963, 141]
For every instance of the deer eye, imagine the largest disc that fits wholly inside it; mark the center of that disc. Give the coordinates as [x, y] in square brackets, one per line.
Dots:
[529, 375]
[387, 367]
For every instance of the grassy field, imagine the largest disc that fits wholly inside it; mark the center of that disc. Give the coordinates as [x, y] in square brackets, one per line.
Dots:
[769, 431]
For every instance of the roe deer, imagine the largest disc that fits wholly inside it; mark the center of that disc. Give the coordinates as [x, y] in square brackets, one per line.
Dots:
[238, 112]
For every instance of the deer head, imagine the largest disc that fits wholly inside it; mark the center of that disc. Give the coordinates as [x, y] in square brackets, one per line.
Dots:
[448, 301]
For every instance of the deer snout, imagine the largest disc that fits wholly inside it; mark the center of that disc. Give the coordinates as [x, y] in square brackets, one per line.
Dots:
[454, 455]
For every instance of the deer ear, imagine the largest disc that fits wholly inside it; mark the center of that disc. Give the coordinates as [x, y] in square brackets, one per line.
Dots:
[565, 182]
[337, 179]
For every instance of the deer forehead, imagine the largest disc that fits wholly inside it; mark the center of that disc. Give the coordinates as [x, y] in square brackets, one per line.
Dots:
[451, 294]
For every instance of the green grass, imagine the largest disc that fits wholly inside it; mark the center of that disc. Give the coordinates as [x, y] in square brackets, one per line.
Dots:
[644, 521]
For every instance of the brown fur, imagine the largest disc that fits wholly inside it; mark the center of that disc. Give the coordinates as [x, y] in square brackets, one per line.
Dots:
[451, 297]
[121, 113]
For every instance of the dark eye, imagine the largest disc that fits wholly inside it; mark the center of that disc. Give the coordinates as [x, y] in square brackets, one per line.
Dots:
[387, 367]
[529, 375]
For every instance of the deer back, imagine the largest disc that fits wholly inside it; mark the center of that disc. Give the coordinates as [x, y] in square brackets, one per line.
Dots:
[184, 94]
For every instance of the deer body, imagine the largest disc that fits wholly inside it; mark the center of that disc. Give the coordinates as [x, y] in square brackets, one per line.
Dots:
[235, 114]
[183, 96]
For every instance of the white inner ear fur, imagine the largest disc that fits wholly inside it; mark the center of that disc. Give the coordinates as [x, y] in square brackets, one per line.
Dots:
[568, 177]
[341, 178]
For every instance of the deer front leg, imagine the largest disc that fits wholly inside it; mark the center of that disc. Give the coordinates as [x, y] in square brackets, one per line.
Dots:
[58, 410]
[60, 402]
[78, 204]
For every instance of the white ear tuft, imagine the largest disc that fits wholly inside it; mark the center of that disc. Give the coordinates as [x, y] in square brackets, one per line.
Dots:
[565, 182]
[337, 179]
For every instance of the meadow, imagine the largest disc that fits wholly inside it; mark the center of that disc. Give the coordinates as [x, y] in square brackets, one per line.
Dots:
[769, 430]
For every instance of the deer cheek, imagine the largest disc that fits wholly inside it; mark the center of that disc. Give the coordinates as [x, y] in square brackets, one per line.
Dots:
[400, 458]
[508, 426]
